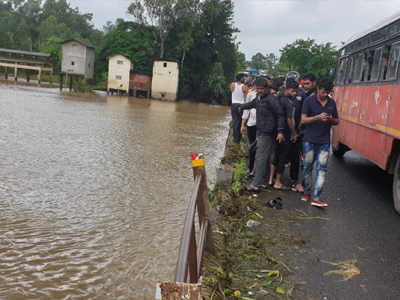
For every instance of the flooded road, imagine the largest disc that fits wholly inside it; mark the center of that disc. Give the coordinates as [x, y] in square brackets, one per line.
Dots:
[93, 193]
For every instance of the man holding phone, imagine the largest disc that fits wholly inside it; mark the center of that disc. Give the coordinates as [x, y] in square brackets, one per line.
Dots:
[318, 116]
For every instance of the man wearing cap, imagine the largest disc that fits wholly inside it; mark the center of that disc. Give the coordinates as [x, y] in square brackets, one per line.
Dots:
[270, 123]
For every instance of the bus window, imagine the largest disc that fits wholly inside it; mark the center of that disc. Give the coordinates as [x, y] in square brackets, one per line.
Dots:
[341, 71]
[349, 68]
[393, 65]
[385, 61]
[365, 67]
[375, 65]
[357, 70]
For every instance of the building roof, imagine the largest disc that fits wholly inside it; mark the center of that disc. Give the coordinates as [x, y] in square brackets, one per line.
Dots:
[118, 54]
[24, 52]
[78, 41]
[376, 27]
[167, 60]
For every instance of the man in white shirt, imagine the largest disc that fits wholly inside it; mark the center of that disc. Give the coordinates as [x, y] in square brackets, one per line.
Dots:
[249, 125]
[239, 94]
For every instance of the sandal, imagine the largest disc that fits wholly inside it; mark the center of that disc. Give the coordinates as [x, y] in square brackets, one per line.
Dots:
[252, 188]
[281, 188]
[295, 188]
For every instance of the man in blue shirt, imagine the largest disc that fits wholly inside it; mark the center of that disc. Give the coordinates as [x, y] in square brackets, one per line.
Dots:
[319, 114]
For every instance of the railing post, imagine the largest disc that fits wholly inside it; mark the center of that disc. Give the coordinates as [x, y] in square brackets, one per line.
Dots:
[203, 205]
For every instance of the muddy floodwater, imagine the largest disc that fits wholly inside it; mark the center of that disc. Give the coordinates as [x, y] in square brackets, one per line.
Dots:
[93, 192]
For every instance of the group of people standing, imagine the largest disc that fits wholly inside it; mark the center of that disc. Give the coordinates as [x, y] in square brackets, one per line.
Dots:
[288, 124]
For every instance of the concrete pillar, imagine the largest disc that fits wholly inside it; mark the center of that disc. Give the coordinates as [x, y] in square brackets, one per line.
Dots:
[61, 81]
[70, 83]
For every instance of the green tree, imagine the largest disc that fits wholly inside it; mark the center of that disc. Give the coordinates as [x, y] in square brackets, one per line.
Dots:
[272, 61]
[130, 39]
[217, 83]
[258, 61]
[307, 56]
[156, 13]
[241, 61]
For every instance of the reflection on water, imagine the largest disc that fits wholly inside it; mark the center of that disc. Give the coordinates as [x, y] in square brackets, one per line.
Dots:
[93, 193]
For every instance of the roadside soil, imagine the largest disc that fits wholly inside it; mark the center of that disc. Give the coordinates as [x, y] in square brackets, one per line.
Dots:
[258, 248]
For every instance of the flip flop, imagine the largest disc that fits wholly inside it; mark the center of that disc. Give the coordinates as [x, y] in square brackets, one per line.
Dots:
[252, 188]
[294, 188]
[282, 188]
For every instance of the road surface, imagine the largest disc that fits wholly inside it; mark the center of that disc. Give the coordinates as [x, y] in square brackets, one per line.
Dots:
[363, 226]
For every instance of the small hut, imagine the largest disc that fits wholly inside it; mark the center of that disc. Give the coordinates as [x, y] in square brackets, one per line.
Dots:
[140, 84]
[165, 80]
[78, 58]
[119, 69]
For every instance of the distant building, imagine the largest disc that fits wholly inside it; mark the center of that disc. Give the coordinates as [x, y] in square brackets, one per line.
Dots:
[119, 69]
[140, 84]
[78, 58]
[165, 80]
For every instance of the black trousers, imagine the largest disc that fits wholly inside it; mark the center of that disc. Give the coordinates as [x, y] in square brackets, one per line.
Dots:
[282, 156]
[236, 123]
[252, 137]
[265, 143]
[295, 160]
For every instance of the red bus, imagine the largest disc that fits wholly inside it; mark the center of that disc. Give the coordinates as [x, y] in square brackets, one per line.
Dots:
[367, 92]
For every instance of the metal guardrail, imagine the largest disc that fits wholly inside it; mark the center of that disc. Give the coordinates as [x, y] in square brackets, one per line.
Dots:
[187, 283]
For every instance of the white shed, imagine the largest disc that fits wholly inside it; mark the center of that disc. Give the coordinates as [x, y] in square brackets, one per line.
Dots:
[78, 58]
[165, 80]
[119, 68]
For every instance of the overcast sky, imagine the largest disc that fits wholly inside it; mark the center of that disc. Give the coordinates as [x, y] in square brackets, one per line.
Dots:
[267, 25]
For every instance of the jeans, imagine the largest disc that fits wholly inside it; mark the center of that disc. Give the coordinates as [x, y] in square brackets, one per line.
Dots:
[265, 145]
[251, 138]
[236, 123]
[318, 153]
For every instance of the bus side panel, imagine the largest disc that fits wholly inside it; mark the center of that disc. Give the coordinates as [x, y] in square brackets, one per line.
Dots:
[348, 134]
[337, 134]
[394, 111]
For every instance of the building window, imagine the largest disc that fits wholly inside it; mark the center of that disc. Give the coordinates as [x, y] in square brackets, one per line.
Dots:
[120, 62]
[165, 65]
[72, 63]
[118, 77]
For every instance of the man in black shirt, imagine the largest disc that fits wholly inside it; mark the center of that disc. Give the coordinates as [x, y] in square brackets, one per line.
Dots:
[282, 150]
[309, 84]
[270, 126]
[319, 115]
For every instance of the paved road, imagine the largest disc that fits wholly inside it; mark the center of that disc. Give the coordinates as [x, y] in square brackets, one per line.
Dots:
[362, 225]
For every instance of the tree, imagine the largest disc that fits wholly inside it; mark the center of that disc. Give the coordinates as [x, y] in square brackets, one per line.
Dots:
[258, 61]
[130, 39]
[272, 61]
[217, 82]
[241, 61]
[307, 56]
[156, 13]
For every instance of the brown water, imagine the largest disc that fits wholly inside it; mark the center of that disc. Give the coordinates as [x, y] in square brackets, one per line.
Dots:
[93, 193]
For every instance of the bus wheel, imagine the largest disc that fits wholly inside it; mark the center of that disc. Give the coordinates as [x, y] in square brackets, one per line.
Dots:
[339, 150]
[396, 186]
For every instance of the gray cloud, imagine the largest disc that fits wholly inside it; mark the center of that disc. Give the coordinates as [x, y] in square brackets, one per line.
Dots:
[267, 25]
